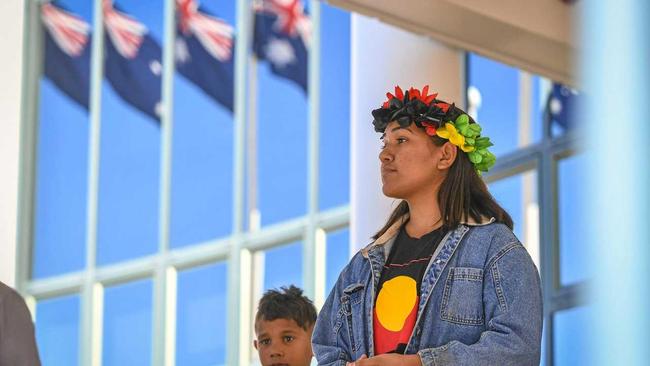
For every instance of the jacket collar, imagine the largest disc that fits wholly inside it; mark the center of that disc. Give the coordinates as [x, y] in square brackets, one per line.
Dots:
[393, 230]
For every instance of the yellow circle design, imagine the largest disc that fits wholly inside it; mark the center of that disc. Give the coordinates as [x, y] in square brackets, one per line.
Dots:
[395, 302]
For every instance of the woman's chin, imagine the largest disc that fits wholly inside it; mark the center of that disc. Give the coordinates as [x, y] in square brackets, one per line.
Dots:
[390, 192]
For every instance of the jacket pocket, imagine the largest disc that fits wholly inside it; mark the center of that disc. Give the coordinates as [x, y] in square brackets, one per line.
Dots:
[351, 304]
[462, 299]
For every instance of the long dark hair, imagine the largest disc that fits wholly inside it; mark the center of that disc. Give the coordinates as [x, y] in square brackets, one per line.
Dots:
[462, 195]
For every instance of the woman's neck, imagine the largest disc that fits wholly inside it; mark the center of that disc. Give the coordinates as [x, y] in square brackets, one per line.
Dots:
[424, 215]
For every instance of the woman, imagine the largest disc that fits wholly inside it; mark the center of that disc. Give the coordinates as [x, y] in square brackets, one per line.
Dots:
[445, 281]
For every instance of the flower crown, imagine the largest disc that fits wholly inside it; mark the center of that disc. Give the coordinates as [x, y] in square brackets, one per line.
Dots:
[437, 118]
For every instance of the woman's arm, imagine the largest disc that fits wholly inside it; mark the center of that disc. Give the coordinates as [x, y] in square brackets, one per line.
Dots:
[513, 309]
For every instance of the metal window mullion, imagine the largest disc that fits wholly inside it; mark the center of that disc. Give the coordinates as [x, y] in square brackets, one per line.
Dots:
[32, 64]
[548, 238]
[238, 330]
[90, 335]
[312, 277]
[163, 352]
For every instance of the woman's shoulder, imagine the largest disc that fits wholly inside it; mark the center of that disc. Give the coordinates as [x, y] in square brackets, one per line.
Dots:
[355, 269]
[494, 236]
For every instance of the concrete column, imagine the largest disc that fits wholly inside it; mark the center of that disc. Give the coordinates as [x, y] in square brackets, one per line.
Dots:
[383, 56]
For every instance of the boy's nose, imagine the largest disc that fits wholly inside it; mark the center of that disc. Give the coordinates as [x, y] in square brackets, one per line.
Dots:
[277, 352]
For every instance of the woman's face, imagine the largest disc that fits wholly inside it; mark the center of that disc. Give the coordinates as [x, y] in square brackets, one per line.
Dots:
[410, 162]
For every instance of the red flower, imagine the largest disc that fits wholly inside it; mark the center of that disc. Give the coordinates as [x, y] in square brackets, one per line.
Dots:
[429, 128]
[414, 93]
[399, 94]
[422, 96]
[443, 106]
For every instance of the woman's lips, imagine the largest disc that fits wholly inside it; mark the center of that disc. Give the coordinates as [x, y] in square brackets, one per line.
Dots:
[387, 170]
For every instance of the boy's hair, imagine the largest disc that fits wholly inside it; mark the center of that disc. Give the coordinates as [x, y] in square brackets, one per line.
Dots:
[287, 303]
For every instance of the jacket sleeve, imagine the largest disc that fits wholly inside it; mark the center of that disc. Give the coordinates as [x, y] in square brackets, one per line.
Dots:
[513, 312]
[328, 344]
[17, 340]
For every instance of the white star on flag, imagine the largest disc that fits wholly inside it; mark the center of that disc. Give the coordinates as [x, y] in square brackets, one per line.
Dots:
[181, 52]
[280, 52]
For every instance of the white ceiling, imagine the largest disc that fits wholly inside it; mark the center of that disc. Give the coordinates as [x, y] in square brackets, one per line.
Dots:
[535, 35]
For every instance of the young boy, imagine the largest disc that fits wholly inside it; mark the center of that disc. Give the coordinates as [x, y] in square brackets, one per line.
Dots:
[283, 325]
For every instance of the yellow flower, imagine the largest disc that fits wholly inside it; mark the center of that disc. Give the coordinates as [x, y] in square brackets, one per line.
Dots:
[450, 133]
[467, 148]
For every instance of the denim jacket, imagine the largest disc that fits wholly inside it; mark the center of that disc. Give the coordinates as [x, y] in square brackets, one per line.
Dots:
[480, 304]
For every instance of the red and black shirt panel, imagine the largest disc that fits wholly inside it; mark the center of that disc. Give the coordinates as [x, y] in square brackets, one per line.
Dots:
[398, 294]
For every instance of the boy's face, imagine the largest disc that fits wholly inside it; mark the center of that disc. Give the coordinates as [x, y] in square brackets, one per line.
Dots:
[283, 342]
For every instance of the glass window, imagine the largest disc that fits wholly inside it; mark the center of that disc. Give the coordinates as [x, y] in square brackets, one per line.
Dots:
[494, 96]
[337, 257]
[202, 166]
[130, 143]
[574, 263]
[201, 310]
[57, 330]
[283, 266]
[281, 148]
[334, 154]
[518, 196]
[127, 324]
[571, 336]
[62, 159]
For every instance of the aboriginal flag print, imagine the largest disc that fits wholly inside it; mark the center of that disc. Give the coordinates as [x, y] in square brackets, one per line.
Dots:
[396, 305]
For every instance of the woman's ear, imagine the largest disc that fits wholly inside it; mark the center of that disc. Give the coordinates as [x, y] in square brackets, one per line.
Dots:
[448, 152]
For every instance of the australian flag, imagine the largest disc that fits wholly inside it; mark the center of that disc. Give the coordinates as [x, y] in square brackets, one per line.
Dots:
[133, 61]
[67, 52]
[562, 106]
[132, 57]
[281, 37]
[204, 51]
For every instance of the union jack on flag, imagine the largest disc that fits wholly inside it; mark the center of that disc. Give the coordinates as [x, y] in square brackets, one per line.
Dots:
[125, 32]
[215, 35]
[69, 31]
[290, 17]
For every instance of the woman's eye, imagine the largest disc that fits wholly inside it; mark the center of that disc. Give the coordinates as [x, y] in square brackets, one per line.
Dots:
[401, 140]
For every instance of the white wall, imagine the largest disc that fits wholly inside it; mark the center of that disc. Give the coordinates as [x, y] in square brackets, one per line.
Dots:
[11, 34]
[384, 56]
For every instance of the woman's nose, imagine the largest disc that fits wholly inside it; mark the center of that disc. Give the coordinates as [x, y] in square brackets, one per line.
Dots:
[385, 155]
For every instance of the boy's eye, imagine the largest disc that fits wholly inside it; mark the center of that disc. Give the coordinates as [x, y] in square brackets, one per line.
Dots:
[265, 341]
[288, 338]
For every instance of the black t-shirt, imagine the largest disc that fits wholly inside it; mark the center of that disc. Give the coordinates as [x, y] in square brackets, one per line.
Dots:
[398, 293]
